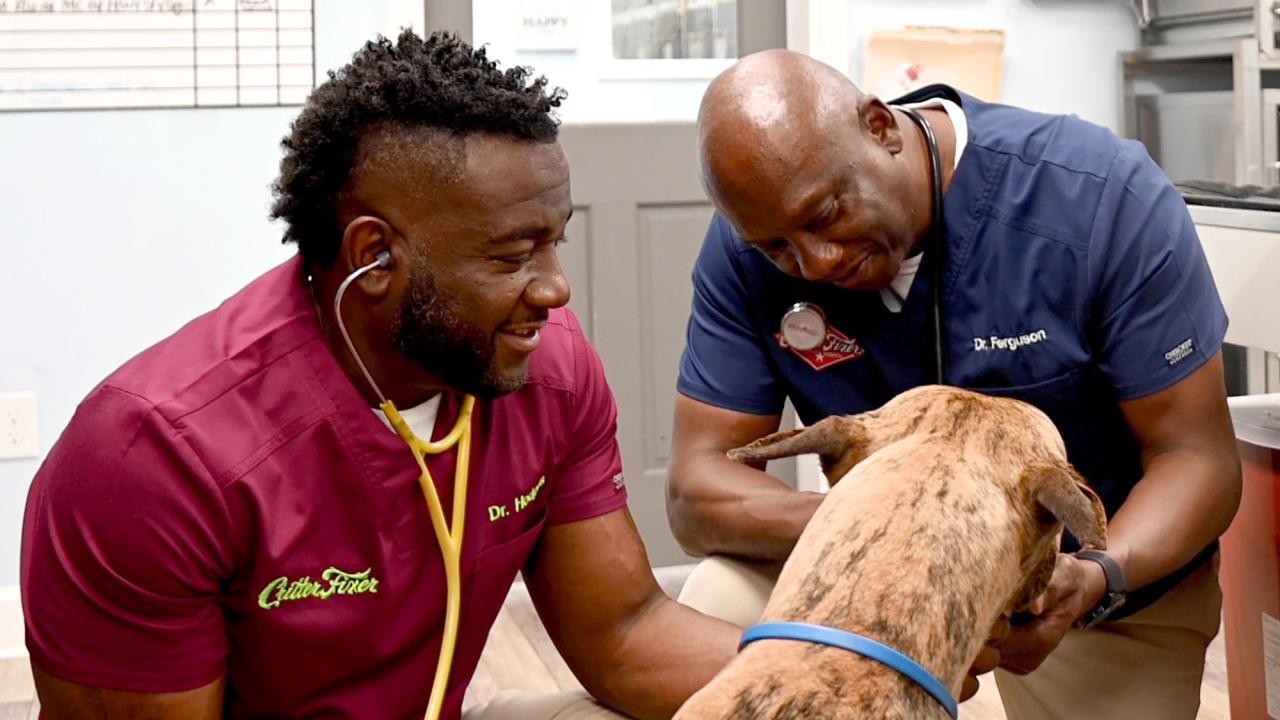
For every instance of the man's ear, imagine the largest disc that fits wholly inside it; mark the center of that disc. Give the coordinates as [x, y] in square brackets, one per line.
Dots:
[840, 442]
[364, 241]
[1058, 489]
[881, 124]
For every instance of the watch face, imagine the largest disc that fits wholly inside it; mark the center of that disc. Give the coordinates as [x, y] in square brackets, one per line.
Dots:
[1110, 603]
[1114, 602]
[803, 327]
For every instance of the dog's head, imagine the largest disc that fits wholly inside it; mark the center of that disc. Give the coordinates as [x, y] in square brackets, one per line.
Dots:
[1021, 444]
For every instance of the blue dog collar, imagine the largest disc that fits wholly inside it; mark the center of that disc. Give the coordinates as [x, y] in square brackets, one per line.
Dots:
[856, 644]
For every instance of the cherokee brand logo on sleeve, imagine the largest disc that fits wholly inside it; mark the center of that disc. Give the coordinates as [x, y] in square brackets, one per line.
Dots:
[520, 502]
[332, 582]
[618, 482]
[1012, 343]
[1180, 353]
[835, 349]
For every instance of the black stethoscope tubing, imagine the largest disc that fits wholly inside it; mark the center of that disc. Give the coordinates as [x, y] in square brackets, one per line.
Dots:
[936, 243]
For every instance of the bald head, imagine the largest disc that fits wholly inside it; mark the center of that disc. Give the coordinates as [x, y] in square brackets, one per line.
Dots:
[811, 171]
[770, 105]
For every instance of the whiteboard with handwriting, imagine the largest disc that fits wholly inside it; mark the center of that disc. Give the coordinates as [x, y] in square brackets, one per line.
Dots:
[82, 54]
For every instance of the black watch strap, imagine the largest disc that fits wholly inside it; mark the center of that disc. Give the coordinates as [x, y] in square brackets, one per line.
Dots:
[1117, 589]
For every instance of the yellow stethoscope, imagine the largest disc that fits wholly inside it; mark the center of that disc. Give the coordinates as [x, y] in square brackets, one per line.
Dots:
[448, 535]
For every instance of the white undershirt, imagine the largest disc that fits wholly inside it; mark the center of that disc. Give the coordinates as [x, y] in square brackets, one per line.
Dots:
[421, 418]
[896, 294]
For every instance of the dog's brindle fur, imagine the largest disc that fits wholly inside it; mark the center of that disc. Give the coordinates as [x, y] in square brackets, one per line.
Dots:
[947, 515]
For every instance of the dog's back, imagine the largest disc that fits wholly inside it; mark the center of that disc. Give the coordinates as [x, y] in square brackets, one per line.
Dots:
[944, 513]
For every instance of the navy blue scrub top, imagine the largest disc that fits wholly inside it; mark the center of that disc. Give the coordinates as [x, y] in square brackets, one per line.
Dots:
[1074, 279]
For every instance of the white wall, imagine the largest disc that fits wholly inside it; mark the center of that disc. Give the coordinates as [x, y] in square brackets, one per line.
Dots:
[1061, 56]
[118, 227]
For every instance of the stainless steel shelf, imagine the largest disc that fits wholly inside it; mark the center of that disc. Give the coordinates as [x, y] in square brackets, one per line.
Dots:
[1205, 50]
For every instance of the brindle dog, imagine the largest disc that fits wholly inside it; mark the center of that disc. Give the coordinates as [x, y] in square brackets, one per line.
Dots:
[945, 513]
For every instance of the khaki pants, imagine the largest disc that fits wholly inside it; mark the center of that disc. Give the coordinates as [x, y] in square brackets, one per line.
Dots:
[517, 705]
[1148, 665]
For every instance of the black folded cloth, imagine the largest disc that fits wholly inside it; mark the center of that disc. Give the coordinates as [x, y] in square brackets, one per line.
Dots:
[1220, 194]
[1222, 189]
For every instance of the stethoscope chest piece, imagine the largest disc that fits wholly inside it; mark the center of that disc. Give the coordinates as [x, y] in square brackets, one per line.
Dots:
[803, 327]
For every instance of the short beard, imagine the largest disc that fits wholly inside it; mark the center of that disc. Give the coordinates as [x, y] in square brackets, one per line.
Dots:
[430, 331]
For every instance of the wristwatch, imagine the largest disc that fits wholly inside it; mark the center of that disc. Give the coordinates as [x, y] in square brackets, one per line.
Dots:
[1117, 589]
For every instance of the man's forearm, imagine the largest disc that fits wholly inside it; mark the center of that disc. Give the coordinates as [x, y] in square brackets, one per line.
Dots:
[1185, 500]
[733, 509]
[667, 654]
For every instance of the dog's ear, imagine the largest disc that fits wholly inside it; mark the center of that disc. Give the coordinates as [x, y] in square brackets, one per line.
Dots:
[1059, 489]
[840, 442]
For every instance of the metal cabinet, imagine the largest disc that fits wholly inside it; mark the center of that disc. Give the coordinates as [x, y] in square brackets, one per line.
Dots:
[1184, 21]
[1193, 135]
[1203, 94]
[1199, 107]
[1271, 137]
[1190, 134]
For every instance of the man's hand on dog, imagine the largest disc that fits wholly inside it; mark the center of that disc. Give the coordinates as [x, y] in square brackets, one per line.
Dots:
[1077, 586]
[987, 660]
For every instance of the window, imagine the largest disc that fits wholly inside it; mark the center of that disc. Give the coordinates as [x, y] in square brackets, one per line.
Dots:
[647, 35]
[675, 29]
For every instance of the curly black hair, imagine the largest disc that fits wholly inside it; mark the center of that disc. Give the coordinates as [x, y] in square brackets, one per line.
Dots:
[440, 82]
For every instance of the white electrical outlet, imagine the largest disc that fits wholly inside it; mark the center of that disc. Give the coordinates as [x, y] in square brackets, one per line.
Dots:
[18, 426]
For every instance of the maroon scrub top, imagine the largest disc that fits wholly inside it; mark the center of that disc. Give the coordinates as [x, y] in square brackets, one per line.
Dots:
[227, 503]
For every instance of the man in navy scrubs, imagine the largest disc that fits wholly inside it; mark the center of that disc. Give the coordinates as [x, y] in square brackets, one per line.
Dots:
[1072, 279]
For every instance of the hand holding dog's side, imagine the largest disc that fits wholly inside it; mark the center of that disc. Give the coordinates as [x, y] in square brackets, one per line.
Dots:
[1077, 586]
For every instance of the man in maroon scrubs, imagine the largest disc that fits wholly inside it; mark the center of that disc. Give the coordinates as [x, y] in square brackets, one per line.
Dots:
[229, 528]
